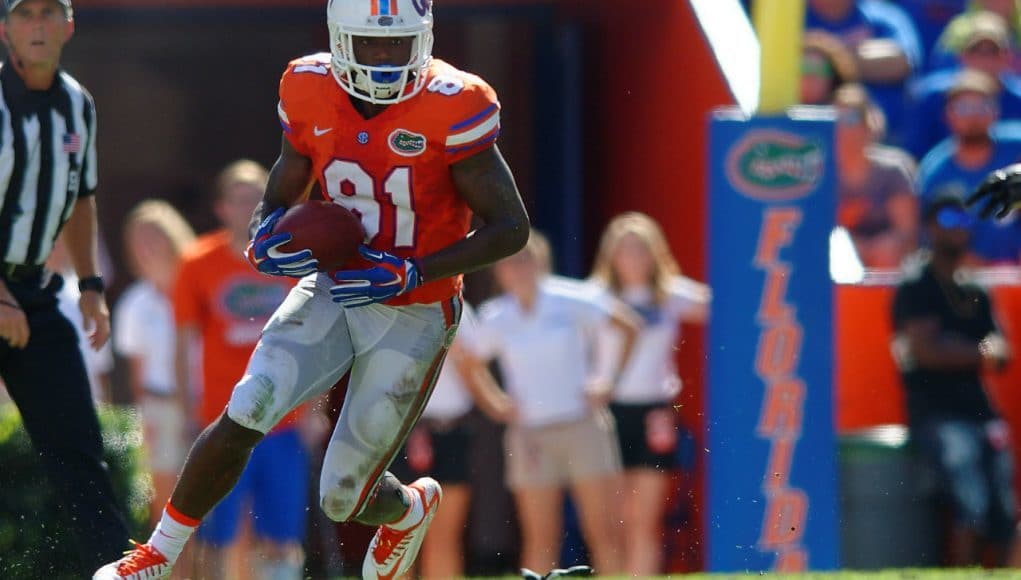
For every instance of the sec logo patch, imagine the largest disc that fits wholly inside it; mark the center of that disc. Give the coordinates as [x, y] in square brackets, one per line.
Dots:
[405, 143]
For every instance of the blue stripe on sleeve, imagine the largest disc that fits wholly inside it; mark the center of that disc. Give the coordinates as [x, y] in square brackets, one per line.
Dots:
[474, 119]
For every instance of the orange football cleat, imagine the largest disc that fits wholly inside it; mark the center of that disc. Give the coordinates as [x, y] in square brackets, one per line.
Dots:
[392, 552]
[142, 563]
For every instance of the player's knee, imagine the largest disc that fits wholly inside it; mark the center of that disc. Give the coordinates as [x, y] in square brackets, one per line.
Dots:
[253, 403]
[338, 498]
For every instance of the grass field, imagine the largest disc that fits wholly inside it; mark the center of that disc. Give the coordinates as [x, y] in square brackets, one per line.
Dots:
[883, 575]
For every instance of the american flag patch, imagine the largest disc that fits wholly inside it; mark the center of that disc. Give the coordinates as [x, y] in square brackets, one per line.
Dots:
[72, 143]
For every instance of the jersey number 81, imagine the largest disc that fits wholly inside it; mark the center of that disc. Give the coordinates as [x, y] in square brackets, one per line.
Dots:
[393, 204]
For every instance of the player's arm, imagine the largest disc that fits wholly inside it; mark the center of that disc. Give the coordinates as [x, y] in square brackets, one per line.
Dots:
[289, 182]
[485, 183]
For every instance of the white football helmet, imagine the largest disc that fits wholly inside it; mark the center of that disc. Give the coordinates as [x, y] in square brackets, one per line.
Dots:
[382, 18]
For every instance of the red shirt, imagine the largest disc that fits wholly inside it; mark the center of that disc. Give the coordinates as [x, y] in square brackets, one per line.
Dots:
[393, 170]
[219, 292]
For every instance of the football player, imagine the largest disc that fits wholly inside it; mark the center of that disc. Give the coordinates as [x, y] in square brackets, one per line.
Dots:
[408, 142]
[1000, 192]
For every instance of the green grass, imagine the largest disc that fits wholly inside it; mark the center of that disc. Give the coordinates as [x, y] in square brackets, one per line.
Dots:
[974, 574]
[882, 575]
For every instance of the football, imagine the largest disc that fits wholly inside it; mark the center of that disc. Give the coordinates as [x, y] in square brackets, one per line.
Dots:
[332, 232]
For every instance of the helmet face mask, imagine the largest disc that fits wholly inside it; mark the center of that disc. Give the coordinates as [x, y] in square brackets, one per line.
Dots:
[380, 84]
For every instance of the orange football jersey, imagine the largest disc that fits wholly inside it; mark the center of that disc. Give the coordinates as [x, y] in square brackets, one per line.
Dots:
[393, 170]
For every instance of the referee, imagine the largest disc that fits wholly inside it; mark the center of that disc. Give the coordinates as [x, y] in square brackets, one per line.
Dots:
[47, 180]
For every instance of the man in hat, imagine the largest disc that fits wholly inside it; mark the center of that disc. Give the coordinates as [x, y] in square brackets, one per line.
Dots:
[48, 178]
[985, 47]
[956, 167]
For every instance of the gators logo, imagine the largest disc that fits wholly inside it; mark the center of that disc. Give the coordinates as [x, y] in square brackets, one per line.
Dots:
[773, 166]
[406, 144]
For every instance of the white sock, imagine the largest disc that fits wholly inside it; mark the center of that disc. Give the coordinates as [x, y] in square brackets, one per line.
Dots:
[415, 511]
[172, 533]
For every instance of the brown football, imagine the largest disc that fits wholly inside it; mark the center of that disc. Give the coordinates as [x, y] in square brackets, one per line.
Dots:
[332, 232]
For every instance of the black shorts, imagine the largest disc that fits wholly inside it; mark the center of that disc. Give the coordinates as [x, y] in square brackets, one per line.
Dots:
[647, 435]
[438, 449]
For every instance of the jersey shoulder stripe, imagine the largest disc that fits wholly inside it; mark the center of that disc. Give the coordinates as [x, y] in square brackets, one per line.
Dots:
[475, 119]
[486, 130]
[285, 121]
[470, 110]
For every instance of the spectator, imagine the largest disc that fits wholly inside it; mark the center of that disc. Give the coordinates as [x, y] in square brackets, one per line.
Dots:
[439, 446]
[543, 333]
[155, 236]
[884, 42]
[985, 49]
[946, 336]
[931, 18]
[956, 167]
[634, 263]
[954, 37]
[875, 198]
[222, 302]
[825, 66]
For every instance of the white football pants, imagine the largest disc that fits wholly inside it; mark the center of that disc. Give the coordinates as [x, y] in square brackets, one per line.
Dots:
[394, 355]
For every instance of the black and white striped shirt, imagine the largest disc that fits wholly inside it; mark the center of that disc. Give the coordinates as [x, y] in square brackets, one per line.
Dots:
[47, 162]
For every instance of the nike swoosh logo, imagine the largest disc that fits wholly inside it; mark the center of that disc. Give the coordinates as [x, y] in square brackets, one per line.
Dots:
[320, 133]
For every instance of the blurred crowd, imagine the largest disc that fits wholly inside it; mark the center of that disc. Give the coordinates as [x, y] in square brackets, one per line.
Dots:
[581, 372]
[928, 94]
[587, 383]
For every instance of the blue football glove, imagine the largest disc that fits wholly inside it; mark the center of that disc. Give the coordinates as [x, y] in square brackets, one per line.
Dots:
[392, 276]
[264, 253]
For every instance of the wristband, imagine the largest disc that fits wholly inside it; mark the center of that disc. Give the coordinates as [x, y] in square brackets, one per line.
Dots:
[92, 283]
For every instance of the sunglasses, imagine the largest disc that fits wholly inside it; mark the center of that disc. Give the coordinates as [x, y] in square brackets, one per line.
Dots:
[973, 108]
[954, 218]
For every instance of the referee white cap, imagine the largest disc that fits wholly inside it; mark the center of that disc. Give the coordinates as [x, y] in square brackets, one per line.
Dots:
[12, 4]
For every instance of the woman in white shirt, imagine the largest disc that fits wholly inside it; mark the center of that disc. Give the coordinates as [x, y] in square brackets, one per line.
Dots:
[543, 332]
[634, 263]
[155, 235]
[439, 447]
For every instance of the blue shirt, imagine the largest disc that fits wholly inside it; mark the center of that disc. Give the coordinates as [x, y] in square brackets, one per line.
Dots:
[871, 19]
[930, 18]
[940, 175]
[925, 125]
